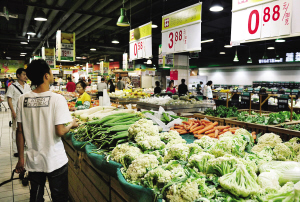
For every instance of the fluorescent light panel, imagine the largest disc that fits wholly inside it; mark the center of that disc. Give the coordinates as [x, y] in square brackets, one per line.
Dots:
[206, 41]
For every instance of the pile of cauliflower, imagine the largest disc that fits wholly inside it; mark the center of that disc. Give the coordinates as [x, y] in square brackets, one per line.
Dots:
[209, 169]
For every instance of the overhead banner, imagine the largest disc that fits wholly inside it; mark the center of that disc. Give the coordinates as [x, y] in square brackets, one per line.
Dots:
[55, 71]
[48, 54]
[104, 66]
[65, 46]
[10, 66]
[68, 71]
[125, 61]
[140, 42]
[260, 20]
[181, 30]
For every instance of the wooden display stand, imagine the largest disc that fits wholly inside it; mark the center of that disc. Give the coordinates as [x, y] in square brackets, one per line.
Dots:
[86, 183]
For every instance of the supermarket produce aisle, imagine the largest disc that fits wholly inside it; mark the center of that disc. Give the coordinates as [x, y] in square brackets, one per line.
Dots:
[12, 191]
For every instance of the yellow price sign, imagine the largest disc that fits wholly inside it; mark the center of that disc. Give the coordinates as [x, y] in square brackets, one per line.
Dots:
[140, 32]
[184, 16]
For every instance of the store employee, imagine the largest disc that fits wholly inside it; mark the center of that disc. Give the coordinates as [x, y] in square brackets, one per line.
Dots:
[84, 99]
[100, 86]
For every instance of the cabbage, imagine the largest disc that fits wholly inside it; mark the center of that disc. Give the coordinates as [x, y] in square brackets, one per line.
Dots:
[269, 180]
[288, 171]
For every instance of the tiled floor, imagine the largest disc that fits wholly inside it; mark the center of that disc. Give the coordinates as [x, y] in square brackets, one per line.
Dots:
[12, 191]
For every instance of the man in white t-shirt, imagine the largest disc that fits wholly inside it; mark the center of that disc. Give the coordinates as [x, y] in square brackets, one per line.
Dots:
[13, 93]
[101, 86]
[41, 115]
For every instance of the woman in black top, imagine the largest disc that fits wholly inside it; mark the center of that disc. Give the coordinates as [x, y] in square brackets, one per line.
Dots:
[157, 89]
[112, 88]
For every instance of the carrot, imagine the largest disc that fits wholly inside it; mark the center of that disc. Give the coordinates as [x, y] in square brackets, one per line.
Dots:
[172, 128]
[216, 133]
[222, 127]
[211, 134]
[197, 128]
[233, 131]
[185, 122]
[210, 131]
[225, 130]
[179, 127]
[253, 135]
[194, 126]
[205, 121]
[198, 136]
[208, 128]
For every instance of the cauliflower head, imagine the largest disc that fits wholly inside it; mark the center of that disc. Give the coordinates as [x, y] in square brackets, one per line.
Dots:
[269, 139]
[138, 168]
[177, 152]
[168, 136]
[269, 181]
[183, 192]
[194, 149]
[205, 142]
[200, 161]
[125, 154]
[142, 125]
[282, 152]
[157, 177]
[150, 143]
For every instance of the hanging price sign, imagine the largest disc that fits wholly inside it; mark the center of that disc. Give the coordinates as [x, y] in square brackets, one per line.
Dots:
[48, 54]
[140, 42]
[181, 30]
[257, 20]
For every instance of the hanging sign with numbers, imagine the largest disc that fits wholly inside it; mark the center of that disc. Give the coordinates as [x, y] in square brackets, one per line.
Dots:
[49, 56]
[65, 46]
[258, 20]
[140, 42]
[181, 30]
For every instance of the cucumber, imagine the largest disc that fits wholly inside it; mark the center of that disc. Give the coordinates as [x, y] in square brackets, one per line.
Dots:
[166, 116]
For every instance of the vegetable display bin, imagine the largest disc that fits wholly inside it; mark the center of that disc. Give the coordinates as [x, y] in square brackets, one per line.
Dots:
[285, 133]
[88, 183]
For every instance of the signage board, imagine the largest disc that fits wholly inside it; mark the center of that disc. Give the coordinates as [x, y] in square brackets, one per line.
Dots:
[140, 42]
[181, 30]
[125, 61]
[65, 46]
[55, 71]
[259, 20]
[48, 54]
[68, 71]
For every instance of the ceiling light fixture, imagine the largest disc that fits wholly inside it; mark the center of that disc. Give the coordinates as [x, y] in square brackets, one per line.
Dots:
[206, 41]
[8, 58]
[154, 26]
[115, 41]
[216, 6]
[31, 31]
[93, 49]
[228, 46]
[236, 59]
[123, 20]
[23, 53]
[149, 62]
[40, 16]
[271, 48]
[24, 42]
[280, 40]
[111, 60]
[249, 59]
[78, 57]
[222, 53]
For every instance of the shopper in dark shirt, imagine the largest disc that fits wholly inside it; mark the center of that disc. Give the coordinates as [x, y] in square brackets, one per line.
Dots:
[112, 87]
[157, 89]
[182, 88]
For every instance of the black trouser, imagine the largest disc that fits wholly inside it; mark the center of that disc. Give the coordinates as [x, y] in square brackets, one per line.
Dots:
[100, 94]
[58, 182]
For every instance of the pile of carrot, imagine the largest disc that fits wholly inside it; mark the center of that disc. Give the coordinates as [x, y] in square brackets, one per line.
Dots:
[202, 127]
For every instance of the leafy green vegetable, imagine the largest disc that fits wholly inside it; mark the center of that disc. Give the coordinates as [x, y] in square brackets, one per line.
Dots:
[223, 112]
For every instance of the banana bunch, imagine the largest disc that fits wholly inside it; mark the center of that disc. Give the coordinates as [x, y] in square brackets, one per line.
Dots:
[67, 38]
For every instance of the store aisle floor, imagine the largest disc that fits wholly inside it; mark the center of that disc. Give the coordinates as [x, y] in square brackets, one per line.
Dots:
[12, 191]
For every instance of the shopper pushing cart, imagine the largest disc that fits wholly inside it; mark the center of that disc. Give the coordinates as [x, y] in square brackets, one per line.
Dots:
[41, 115]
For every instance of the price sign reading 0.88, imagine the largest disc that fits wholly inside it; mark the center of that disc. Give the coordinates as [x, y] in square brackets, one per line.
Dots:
[265, 20]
